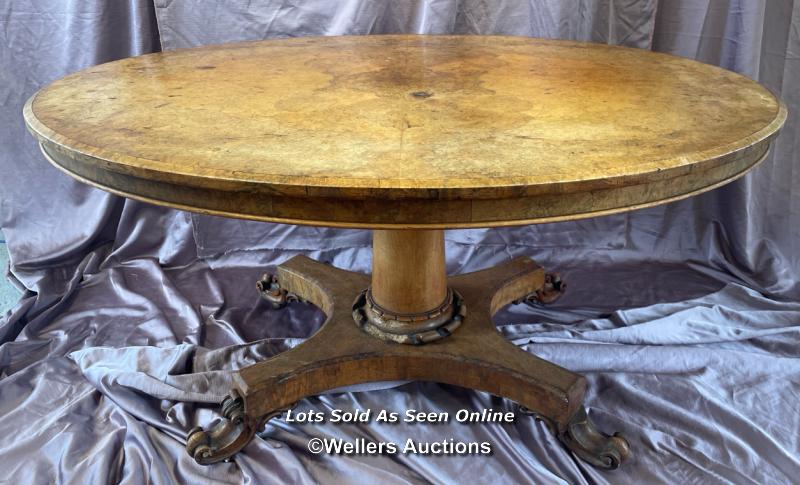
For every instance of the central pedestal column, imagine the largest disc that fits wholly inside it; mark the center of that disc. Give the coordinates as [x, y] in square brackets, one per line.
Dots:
[409, 301]
[408, 270]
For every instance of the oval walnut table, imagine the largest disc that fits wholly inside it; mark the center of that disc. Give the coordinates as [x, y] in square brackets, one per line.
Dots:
[408, 136]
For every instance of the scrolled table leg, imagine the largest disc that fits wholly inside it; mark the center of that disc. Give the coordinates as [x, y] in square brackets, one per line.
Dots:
[226, 436]
[593, 446]
[589, 444]
[271, 290]
[553, 288]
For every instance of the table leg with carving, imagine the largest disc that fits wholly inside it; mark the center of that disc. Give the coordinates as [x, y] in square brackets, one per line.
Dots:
[455, 342]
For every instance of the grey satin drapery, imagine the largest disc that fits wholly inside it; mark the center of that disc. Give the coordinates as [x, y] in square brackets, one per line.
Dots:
[685, 317]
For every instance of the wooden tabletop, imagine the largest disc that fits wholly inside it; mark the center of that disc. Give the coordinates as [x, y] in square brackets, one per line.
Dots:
[406, 131]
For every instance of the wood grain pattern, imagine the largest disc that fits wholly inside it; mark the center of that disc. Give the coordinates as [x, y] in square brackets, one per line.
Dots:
[406, 131]
[408, 270]
[476, 356]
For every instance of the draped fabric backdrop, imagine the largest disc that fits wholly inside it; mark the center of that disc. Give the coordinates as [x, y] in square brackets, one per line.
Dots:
[685, 317]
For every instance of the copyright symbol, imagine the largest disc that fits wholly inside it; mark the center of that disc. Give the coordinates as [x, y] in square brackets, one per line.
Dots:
[315, 445]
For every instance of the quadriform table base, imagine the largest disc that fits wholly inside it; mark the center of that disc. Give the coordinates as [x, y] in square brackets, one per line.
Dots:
[453, 342]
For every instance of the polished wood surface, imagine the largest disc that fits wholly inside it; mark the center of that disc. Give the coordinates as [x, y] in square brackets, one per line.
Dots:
[406, 131]
[408, 270]
[476, 356]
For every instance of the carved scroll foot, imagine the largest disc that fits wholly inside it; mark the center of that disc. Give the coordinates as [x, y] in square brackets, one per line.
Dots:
[553, 288]
[591, 445]
[272, 291]
[225, 436]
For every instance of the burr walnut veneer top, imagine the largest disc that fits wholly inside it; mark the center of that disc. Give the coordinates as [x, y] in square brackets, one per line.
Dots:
[405, 131]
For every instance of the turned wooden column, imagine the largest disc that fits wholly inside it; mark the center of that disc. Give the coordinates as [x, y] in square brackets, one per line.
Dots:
[408, 270]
